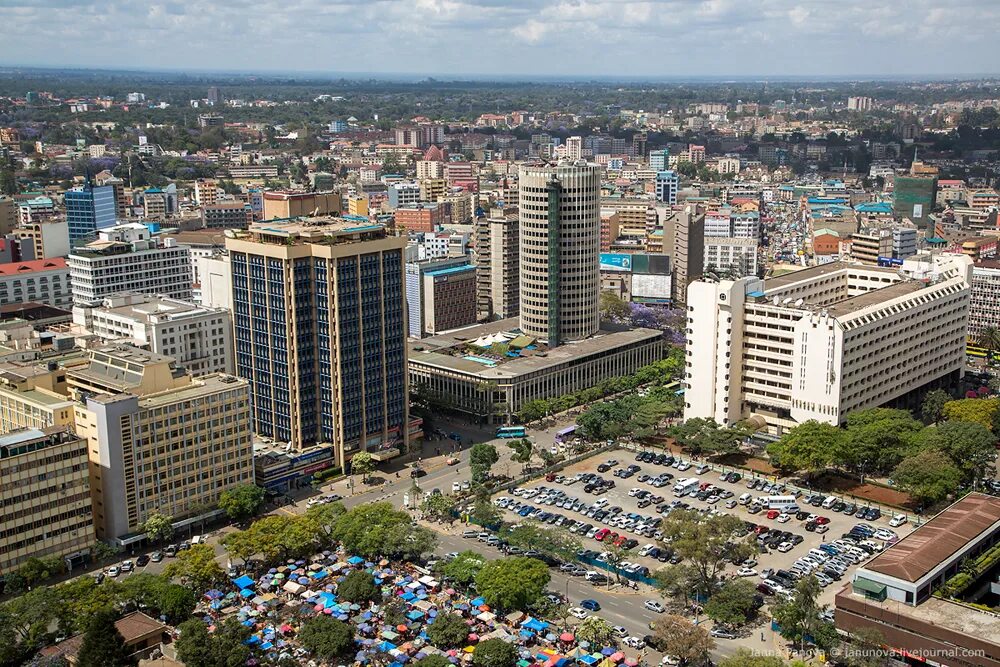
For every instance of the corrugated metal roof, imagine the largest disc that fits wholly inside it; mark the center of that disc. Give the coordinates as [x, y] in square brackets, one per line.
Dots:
[939, 539]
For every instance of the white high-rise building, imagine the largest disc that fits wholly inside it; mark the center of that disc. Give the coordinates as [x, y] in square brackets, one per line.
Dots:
[825, 341]
[574, 148]
[127, 258]
[560, 241]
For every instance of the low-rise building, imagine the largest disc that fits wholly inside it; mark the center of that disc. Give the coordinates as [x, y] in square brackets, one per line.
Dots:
[893, 593]
[44, 475]
[199, 338]
[471, 371]
[43, 280]
[225, 215]
[33, 396]
[440, 295]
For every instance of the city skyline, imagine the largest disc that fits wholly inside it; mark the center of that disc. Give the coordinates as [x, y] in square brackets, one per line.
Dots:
[519, 38]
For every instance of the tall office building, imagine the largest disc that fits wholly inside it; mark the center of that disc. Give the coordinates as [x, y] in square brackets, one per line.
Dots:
[89, 209]
[667, 183]
[574, 148]
[160, 440]
[560, 243]
[684, 239]
[825, 341]
[320, 324]
[497, 263]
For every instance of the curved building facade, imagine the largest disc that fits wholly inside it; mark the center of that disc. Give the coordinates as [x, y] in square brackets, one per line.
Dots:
[560, 239]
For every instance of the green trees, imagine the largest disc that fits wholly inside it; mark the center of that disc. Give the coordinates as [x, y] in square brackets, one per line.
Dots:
[378, 530]
[706, 544]
[448, 631]
[362, 464]
[242, 502]
[878, 439]
[327, 638]
[989, 338]
[485, 513]
[512, 583]
[612, 306]
[932, 409]
[481, 459]
[158, 528]
[970, 446]
[733, 603]
[103, 645]
[494, 653]
[557, 543]
[464, 567]
[747, 658]
[224, 648]
[196, 567]
[928, 476]
[359, 586]
[533, 411]
[433, 660]
[680, 638]
[439, 507]
[595, 630]
[706, 436]
[799, 616]
[810, 446]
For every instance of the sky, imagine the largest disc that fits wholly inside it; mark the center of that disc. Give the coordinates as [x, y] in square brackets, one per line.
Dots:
[652, 38]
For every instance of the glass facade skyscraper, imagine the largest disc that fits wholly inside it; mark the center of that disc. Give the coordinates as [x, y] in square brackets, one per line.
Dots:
[88, 209]
[318, 312]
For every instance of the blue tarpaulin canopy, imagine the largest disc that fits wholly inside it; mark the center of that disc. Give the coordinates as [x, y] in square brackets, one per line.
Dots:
[247, 593]
[534, 624]
[243, 582]
[408, 596]
[478, 602]
[415, 615]
[587, 659]
[355, 560]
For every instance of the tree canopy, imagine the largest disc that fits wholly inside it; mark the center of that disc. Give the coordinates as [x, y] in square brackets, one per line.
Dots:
[928, 476]
[733, 604]
[377, 530]
[358, 587]
[494, 653]
[512, 584]
[706, 544]
[326, 637]
[448, 631]
[242, 502]
[102, 644]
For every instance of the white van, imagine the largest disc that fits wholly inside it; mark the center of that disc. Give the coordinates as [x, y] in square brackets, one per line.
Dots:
[745, 499]
[829, 502]
[783, 503]
[685, 485]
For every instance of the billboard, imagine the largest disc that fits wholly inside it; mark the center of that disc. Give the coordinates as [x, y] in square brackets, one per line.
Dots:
[616, 262]
[651, 288]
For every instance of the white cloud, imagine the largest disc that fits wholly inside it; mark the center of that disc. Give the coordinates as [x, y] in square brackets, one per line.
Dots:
[602, 37]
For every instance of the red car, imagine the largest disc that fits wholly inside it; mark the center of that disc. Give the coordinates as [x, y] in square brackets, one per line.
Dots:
[620, 540]
[773, 514]
[601, 534]
[822, 520]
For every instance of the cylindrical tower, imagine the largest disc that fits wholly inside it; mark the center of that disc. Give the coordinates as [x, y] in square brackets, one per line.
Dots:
[560, 238]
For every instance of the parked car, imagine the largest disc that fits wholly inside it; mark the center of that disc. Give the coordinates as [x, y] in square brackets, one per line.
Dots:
[590, 605]
[653, 605]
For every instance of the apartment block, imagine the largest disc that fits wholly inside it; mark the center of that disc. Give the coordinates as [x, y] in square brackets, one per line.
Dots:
[323, 300]
[824, 341]
[226, 215]
[127, 258]
[199, 338]
[47, 510]
[733, 257]
[497, 265]
[160, 440]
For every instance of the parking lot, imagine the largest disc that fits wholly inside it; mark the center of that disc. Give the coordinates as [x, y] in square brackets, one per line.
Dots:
[623, 497]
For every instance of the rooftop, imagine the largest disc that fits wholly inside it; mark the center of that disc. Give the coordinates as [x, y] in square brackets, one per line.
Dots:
[17, 268]
[939, 539]
[453, 350]
[325, 230]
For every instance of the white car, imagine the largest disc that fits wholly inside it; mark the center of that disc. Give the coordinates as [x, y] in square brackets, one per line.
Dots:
[456, 487]
[620, 632]
[634, 642]
[746, 572]
[711, 500]
[897, 520]
[653, 605]
[785, 547]
[684, 466]
[884, 535]
[702, 469]
[578, 612]
[113, 571]
[670, 660]
[783, 518]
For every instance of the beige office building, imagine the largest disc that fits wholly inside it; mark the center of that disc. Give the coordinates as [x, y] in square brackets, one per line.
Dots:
[160, 440]
[33, 395]
[497, 263]
[560, 242]
[45, 489]
[295, 204]
[825, 341]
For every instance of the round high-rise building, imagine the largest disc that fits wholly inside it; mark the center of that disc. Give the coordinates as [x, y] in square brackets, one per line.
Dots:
[560, 244]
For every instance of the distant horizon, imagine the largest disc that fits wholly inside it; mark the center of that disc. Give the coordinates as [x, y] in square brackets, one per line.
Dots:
[485, 77]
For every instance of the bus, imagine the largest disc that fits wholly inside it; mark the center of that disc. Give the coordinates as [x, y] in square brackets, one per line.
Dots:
[565, 433]
[511, 432]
